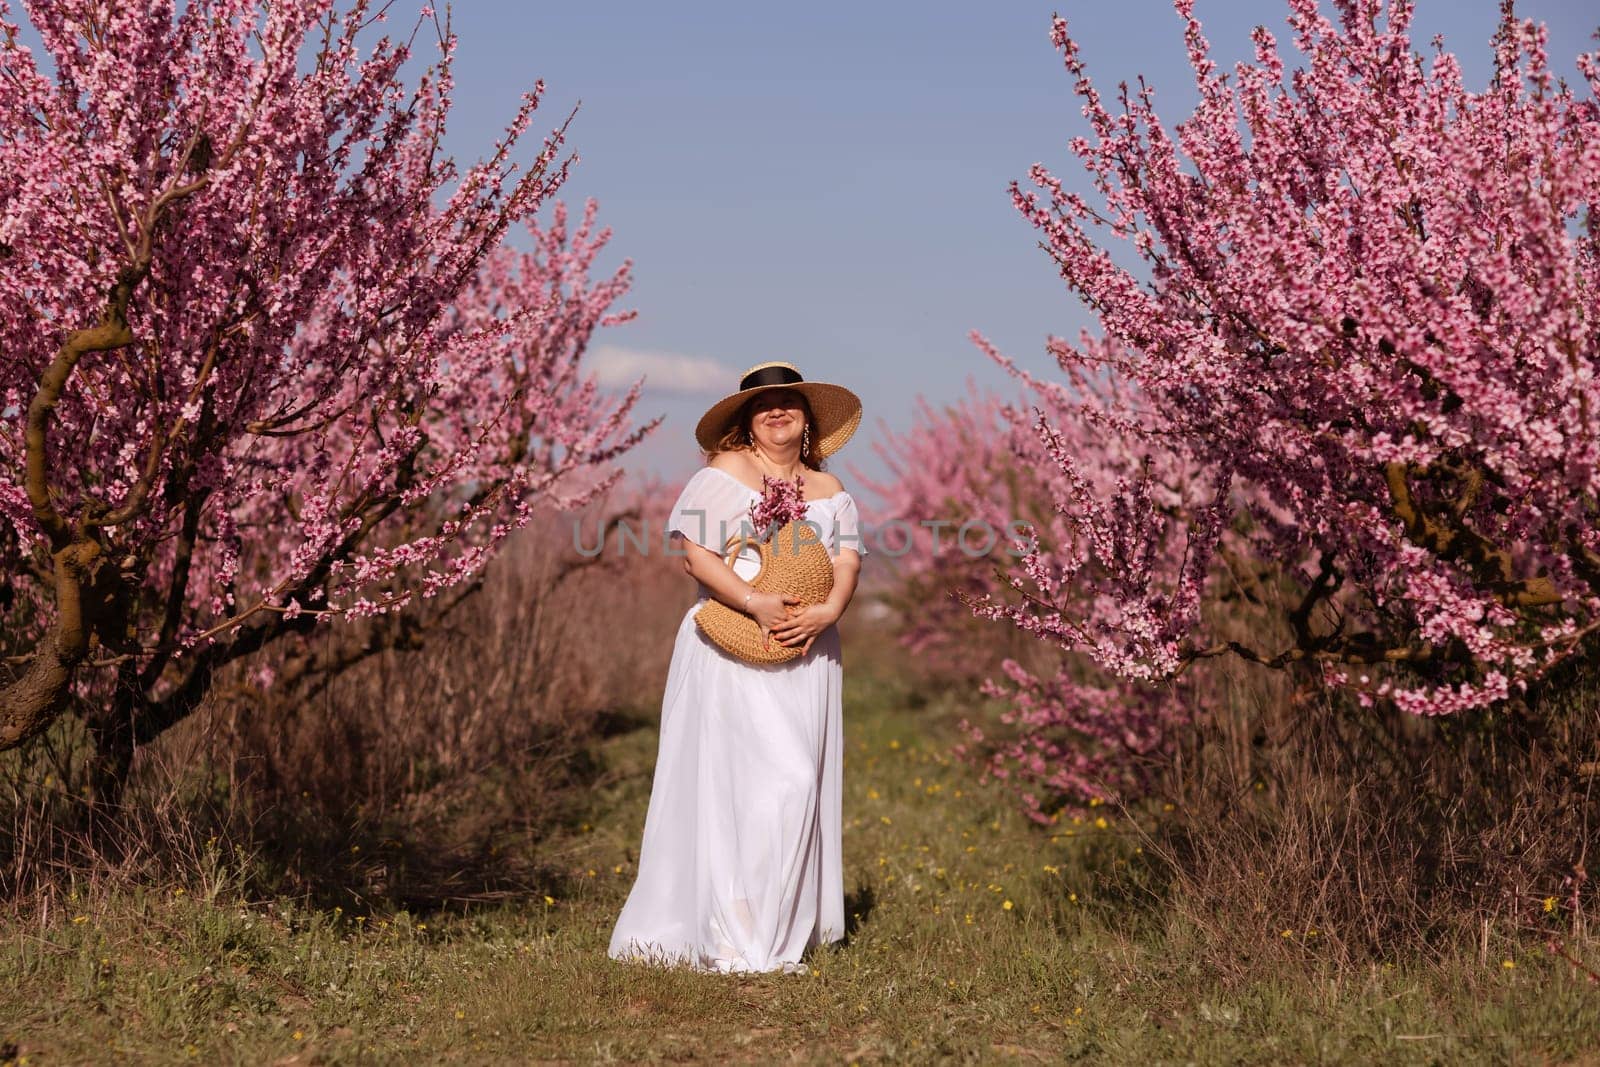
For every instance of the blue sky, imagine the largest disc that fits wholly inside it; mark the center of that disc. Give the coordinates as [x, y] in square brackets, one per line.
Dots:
[826, 182]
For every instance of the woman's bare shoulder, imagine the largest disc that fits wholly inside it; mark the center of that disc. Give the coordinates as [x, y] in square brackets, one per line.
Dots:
[826, 483]
[735, 463]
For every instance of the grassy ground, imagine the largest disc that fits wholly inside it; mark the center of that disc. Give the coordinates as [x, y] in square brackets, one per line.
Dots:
[975, 938]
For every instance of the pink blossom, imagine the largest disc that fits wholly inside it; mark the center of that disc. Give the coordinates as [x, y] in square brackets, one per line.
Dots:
[780, 503]
[1354, 375]
[280, 348]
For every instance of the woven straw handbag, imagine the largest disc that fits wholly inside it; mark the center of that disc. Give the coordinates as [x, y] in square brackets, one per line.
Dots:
[794, 561]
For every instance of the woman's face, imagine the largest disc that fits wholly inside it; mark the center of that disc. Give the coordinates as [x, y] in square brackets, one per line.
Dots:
[777, 419]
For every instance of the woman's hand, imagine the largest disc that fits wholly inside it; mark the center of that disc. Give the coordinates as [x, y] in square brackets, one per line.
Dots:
[804, 625]
[770, 609]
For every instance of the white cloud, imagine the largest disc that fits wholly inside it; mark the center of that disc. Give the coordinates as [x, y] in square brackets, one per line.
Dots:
[668, 372]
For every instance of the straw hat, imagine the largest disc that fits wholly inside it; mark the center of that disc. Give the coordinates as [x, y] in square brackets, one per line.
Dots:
[835, 410]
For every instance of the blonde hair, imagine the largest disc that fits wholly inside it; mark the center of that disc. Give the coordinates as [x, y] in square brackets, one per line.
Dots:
[738, 438]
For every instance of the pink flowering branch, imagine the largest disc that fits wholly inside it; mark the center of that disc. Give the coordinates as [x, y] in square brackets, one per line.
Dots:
[1067, 741]
[1364, 326]
[780, 503]
[273, 357]
[976, 482]
[959, 494]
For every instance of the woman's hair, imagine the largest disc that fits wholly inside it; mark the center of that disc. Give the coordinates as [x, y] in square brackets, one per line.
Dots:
[737, 436]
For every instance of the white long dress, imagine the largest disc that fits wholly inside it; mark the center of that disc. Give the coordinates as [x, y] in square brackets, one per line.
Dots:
[740, 866]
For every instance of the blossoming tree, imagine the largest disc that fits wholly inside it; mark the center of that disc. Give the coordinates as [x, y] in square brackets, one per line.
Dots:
[975, 485]
[268, 358]
[957, 466]
[1364, 316]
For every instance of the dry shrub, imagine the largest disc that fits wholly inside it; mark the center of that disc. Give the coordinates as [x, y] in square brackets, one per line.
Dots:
[174, 826]
[1308, 828]
[418, 759]
[1291, 824]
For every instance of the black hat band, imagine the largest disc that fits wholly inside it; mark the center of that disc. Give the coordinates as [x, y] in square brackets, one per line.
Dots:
[769, 376]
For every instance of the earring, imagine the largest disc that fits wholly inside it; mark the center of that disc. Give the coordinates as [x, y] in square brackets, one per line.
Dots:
[805, 441]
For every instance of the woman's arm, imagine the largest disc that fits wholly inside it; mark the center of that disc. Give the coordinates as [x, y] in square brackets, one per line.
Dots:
[804, 626]
[712, 571]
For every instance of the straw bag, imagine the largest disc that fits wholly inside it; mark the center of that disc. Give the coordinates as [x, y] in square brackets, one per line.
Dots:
[794, 561]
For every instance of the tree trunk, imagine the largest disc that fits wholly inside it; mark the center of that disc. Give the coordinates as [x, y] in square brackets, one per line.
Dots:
[111, 729]
[31, 703]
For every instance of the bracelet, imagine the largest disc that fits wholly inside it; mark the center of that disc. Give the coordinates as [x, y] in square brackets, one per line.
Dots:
[747, 597]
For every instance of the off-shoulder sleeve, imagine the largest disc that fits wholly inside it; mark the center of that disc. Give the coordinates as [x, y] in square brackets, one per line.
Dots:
[847, 526]
[712, 508]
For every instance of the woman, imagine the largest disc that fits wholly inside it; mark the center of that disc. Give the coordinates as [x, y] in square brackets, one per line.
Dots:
[740, 866]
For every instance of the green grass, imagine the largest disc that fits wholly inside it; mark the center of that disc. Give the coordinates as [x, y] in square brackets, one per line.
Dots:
[1084, 964]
